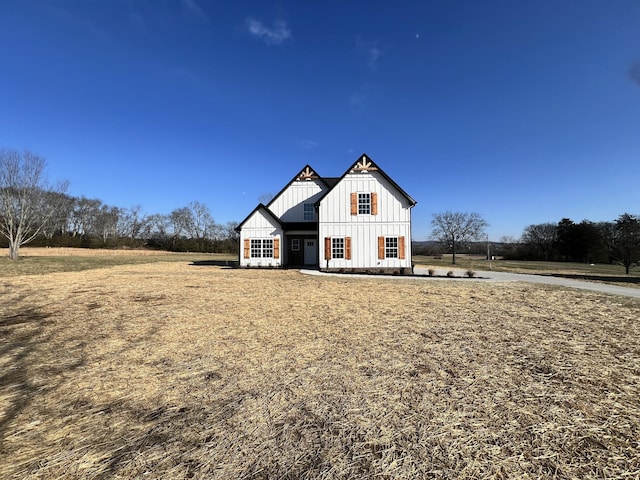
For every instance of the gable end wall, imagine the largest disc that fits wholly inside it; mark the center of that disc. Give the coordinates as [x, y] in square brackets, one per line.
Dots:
[260, 225]
[393, 219]
[289, 205]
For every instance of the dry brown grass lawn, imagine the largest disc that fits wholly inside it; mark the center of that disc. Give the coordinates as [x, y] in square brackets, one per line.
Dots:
[168, 370]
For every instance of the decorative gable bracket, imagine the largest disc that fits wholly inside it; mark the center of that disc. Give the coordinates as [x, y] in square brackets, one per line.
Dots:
[307, 174]
[364, 165]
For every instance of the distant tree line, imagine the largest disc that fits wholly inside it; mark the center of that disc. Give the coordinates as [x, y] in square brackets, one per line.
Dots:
[589, 242]
[36, 213]
[614, 242]
[90, 223]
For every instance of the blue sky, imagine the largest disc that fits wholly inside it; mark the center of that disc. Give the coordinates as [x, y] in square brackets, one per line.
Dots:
[525, 112]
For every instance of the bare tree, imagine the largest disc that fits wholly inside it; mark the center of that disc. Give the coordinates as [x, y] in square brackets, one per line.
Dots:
[266, 197]
[26, 203]
[57, 223]
[83, 216]
[106, 222]
[160, 231]
[179, 219]
[541, 239]
[455, 228]
[200, 225]
[133, 224]
[230, 231]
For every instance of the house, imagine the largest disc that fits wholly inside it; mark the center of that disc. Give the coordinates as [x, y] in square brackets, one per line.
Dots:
[359, 222]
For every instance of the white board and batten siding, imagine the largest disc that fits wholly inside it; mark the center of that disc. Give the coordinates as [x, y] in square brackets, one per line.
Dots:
[346, 230]
[260, 225]
[289, 204]
[391, 217]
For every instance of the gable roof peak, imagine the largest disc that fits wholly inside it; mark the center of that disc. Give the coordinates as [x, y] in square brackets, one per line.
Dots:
[260, 206]
[306, 174]
[364, 164]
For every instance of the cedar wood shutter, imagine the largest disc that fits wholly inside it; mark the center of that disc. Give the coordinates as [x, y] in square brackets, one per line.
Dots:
[374, 203]
[380, 248]
[276, 248]
[247, 248]
[327, 248]
[401, 248]
[347, 248]
[354, 203]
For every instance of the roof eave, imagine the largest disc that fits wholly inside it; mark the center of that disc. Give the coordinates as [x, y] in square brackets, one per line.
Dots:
[258, 207]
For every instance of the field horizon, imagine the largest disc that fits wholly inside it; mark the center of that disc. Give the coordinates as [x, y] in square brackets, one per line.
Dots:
[69, 255]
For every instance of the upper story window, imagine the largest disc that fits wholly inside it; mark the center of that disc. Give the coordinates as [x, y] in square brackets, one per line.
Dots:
[364, 203]
[308, 211]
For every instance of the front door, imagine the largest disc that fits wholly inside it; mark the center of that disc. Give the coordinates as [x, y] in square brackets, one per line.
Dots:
[310, 252]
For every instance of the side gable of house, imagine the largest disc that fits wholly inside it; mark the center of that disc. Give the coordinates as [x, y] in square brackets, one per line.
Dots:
[260, 239]
[365, 222]
[370, 194]
[295, 202]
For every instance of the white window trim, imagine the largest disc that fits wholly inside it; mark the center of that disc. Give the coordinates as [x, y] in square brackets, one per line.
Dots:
[365, 203]
[338, 247]
[391, 248]
[259, 246]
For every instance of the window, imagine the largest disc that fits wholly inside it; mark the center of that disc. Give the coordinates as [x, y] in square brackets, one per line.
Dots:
[308, 211]
[391, 247]
[364, 203]
[267, 248]
[337, 248]
[295, 244]
[261, 248]
[256, 248]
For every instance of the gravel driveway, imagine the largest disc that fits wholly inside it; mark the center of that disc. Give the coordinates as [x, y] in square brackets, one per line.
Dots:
[563, 282]
[491, 276]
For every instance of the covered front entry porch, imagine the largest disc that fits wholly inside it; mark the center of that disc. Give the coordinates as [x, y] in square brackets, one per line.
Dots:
[300, 247]
[301, 250]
